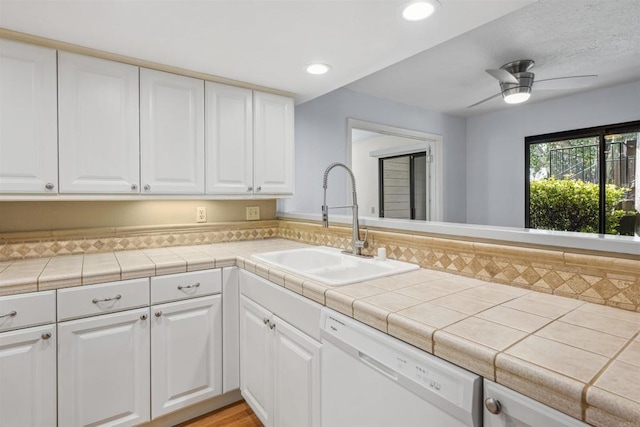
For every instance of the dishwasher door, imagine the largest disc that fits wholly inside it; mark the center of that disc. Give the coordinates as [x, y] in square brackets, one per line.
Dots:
[370, 379]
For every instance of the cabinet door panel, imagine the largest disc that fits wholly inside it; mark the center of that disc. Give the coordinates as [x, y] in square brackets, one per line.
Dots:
[273, 144]
[229, 139]
[99, 138]
[256, 371]
[103, 366]
[296, 377]
[28, 115]
[28, 377]
[186, 347]
[171, 133]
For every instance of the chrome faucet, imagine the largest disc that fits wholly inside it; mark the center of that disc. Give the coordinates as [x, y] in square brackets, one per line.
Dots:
[357, 243]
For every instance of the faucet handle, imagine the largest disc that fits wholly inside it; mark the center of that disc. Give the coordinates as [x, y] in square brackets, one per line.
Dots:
[363, 243]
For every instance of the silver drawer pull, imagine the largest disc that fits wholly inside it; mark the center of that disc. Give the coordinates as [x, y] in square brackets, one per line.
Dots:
[97, 300]
[9, 314]
[46, 336]
[195, 285]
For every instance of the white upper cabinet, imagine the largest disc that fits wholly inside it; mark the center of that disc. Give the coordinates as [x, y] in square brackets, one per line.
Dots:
[229, 139]
[171, 133]
[273, 144]
[28, 114]
[98, 125]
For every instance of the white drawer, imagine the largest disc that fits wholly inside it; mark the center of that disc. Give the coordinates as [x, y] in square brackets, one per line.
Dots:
[90, 300]
[185, 285]
[23, 310]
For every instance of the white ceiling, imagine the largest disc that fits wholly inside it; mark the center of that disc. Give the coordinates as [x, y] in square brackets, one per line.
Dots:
[563, 37]
[263, 42]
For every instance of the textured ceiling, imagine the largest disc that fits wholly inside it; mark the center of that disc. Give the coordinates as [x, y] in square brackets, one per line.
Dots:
[264, 42]
[563, 37]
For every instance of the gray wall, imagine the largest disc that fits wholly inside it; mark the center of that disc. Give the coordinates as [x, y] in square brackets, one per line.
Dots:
[321, 138]
[495, 146]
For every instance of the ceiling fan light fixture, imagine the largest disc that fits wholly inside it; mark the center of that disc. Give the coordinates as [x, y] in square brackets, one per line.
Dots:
[419, 10]
[516, 97]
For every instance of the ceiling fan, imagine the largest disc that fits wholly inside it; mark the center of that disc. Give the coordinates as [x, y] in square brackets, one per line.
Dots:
[516, 82]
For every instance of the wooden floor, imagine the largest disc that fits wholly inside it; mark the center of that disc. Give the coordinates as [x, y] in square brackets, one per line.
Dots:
[237, 414]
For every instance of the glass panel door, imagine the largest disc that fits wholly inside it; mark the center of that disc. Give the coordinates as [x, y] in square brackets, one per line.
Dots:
[621, 177]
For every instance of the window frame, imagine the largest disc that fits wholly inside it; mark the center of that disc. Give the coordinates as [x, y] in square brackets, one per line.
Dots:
[597, 131]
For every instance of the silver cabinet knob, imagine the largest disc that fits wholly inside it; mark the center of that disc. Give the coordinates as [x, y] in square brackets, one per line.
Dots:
[259, 189]
[147, 187]
[265, 320]
[144, 317]
[49, 186]
[249, 188]
[46, 336]
[158, 313]
[272, 325]
[493, 405]
[134, 187]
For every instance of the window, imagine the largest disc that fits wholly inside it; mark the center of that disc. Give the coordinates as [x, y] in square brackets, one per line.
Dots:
[583, 180]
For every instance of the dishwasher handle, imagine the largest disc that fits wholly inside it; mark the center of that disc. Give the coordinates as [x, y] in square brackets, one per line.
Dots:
[383, 369]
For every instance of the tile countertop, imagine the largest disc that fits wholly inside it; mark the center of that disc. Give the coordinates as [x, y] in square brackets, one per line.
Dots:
[578, 357]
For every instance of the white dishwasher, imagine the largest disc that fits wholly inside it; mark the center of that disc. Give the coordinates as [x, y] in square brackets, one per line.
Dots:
[370, 379]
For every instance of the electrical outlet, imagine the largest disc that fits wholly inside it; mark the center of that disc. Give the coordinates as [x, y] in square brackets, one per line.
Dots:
[253, 213]
[201, 214]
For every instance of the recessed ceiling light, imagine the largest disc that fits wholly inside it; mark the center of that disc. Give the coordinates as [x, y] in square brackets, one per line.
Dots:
[419, 10]
[318, 69]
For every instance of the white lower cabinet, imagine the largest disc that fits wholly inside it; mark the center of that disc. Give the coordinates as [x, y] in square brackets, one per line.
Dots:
[256, 344]
[103, 370]
[279, 364]
[186, 353]
[28, 377]
[296, 379]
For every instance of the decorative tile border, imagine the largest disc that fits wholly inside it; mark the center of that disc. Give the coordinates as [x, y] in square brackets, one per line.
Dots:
[35, 245]
[598, 279]
[601, 279]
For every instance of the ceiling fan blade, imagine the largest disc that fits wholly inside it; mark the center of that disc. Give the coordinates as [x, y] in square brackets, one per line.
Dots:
[502, 75]
[572, 82]
[485, 100]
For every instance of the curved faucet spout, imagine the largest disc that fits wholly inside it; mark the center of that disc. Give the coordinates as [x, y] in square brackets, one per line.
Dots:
[357, 243]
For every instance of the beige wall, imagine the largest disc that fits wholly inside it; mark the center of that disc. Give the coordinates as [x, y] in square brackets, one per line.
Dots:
[53, 215]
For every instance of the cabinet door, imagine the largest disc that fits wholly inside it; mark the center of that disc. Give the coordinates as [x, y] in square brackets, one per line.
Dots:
[256, 371]
[186, 351]
[28, 377]
[229, 139]
[99, 138]
[171, 133]
[28, 114]
[273, 144]
[296, 390]
[103, 370]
